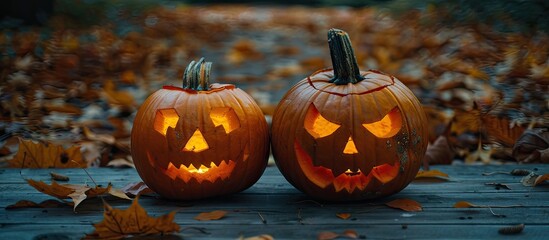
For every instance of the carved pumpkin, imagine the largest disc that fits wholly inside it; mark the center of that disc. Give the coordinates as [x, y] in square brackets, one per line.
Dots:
[200, 140]
[343, 134]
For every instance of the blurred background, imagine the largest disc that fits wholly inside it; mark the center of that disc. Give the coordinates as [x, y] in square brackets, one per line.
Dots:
[74, 73]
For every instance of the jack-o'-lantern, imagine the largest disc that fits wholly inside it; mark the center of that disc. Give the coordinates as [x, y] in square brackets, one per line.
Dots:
[342, 134]
[200, 140]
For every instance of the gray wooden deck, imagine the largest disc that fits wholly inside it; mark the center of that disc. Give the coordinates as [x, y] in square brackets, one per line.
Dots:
[288, 214]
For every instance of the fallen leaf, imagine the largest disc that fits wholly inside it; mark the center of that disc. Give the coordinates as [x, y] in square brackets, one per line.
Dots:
[480, 154]
[120, 163]
[405, 204]
[343, 216]
[207, 216]
[116, 97]
[532, 146]
[439, 152]
[432, 174]
[136, 188]
[464, 204]
[499, 185]
[59, 177]
[50, 203]
[105, 138]
[77, 193]
[326, 235]
[500, 130]
[541, 178]
[258, 237]
[46, 155]
[515, 229]
[133, 221]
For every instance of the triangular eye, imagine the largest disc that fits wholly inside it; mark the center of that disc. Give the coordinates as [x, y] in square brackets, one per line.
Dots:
[317, 125]
[388, 126]
[226, 117]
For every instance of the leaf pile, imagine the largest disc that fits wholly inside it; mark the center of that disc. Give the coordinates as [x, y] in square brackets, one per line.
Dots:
[483, 88]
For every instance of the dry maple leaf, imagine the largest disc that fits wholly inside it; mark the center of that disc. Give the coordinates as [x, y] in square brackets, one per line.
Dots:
[258, 237]
[327, 235]
[213, 215]
[133, 221]
[77, 193]
[405, 204]
[46, 155]
[464, 204]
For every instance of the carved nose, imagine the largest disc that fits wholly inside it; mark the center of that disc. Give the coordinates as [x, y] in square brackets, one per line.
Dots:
[350, 147]
[197, 143]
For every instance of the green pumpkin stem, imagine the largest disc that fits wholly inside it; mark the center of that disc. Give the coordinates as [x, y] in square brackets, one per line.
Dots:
[197, 75]
[343, 58]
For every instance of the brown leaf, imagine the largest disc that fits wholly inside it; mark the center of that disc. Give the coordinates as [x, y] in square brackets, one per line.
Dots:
[50, 203]
[326, 235]
[439, 152]
[532, 146]
[59, 177]
[466, 121]
[533, 179]
[515, 229]
[352, 234]
[133, 221]
[405, 204]
[46, 155]
[77, 193]
[501, 130]
[464, 204]
[259, 237]
[116, 97]
[432, 174]
[120, 163]
[136, 188]
[480, 154]
[343, 216]
[105, 138]
[207, 216]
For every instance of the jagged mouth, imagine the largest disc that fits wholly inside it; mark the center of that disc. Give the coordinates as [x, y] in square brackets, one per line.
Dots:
[200, 172]
[349, 180]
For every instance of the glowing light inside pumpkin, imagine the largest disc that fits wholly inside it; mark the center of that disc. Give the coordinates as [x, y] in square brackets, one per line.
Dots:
[165, 118]
[226, 117]
[196, 143]
[348, 180]
[350, 147]
[202, 173]
[388, 126]
[317, 125]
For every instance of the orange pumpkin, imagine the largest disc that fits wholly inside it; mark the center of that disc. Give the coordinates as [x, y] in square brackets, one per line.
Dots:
[200, 140]
[343, 134]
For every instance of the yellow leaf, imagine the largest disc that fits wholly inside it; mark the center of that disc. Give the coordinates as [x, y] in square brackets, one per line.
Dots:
[207, 216]
[432, 174]
[133, 221]
[405, 204]
[46, 155]
[343, 216]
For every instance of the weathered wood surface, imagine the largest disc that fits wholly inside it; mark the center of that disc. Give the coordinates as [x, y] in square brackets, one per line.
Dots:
[291, 215]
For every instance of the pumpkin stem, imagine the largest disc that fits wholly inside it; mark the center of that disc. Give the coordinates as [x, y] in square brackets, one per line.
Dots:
[343, 58]
[197, 75]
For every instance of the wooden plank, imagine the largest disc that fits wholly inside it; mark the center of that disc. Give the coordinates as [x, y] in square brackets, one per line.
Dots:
[297, 231]
[280, 205]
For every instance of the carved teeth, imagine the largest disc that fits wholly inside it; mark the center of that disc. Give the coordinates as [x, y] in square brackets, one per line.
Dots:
[200, 173]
